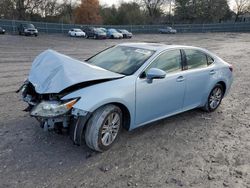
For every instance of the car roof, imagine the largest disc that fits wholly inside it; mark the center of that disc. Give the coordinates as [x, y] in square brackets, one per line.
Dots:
[154, 46]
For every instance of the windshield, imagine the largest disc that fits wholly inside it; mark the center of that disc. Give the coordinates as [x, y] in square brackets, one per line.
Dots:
[30, 26]
[103, 29]
[124, 31]
[98, 30]
[113, 31]
[121, 59]
[77, 30]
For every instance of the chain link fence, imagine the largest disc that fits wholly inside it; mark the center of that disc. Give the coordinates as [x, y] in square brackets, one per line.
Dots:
[44, 27]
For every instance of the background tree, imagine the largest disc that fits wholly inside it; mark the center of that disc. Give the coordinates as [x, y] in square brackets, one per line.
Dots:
[154, 8]
[7, 9]
[129, 13]
[202, 11]
[144, 12]
[109, 15]
[241, 7]
[183, 10]
[88, 12]
[66, 11]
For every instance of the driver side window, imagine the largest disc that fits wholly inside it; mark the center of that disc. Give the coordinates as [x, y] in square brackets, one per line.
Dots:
[169, 62]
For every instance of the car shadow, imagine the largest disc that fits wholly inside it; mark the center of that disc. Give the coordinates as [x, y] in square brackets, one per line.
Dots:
[42, 150]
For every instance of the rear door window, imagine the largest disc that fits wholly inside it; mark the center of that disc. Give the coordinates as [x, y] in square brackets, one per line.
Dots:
[195, 59]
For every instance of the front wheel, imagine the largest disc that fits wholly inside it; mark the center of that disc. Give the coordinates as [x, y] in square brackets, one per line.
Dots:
[214, 98]
[103, 128]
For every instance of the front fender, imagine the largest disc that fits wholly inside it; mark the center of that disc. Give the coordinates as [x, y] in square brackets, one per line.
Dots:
[116, 91]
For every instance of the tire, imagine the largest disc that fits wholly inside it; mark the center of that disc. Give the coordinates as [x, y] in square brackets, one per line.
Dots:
[36, 35]
[112, 37]
[20, 33]
[214, 99]
[95, 37]
[100, 134]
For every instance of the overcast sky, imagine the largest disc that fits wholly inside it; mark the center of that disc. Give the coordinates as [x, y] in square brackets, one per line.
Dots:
[117, 2]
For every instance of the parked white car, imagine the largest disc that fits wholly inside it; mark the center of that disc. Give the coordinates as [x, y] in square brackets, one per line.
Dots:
[76, 33]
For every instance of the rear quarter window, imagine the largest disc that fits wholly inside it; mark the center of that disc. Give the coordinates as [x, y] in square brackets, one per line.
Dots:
[210, 60]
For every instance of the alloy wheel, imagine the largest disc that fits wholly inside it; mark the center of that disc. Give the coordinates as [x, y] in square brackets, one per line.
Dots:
[110, 128]
[215, 97]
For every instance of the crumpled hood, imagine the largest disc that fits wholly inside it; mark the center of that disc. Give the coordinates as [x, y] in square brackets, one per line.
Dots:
[52, 72]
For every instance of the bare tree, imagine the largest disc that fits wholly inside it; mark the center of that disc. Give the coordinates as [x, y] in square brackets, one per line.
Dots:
[241, 7]
[24, 7]
[7, 9]
[153, 6]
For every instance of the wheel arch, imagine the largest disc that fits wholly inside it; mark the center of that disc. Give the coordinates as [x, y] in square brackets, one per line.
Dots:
[125, 111]
[210, 87]
[126, 115]
[223, 84]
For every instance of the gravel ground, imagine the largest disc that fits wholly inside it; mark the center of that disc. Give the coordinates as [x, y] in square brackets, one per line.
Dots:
[192, 149]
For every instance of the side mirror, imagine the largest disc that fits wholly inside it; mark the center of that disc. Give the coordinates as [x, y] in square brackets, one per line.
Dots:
[155, 73]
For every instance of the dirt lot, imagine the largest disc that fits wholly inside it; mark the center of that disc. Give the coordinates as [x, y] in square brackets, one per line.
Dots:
[193, 149]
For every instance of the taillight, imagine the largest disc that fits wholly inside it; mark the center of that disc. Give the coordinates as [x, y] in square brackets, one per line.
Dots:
[231, 68]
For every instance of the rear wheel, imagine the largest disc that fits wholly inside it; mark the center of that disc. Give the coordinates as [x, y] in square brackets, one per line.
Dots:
[214, 98]
[103, 128]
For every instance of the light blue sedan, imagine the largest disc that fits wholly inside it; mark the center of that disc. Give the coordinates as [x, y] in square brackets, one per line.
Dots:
[125, 86]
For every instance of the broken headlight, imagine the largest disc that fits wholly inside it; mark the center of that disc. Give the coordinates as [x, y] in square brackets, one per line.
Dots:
[52, 108]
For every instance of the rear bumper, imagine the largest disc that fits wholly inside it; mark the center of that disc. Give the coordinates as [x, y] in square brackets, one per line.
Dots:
[228, 85]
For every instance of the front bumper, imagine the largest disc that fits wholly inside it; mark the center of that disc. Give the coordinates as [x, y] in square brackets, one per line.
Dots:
[74, 122]
[62, 121]
[31, 33]
[101, 36]
[118, 36]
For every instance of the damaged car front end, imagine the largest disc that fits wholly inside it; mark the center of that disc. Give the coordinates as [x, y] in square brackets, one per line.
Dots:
[52, 77]
[49, 109]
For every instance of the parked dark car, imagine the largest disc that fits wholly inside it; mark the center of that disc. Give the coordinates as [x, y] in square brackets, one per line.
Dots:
[167, 30]
[27, 29]
[125, 33]
[2, 31]
[95, 33]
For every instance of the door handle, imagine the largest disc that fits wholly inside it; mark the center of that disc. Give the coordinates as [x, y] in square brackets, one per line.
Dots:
[212, 72]
[180, 79]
